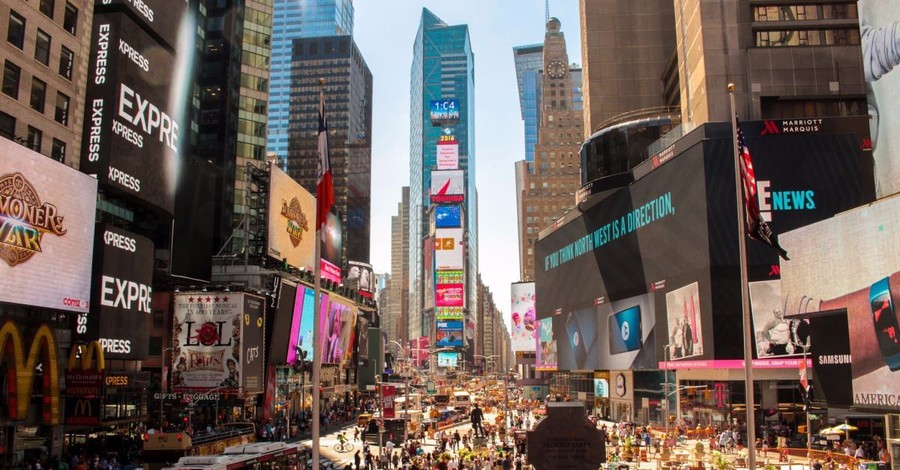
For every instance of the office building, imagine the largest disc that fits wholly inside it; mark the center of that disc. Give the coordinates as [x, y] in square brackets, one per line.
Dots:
[396, 313]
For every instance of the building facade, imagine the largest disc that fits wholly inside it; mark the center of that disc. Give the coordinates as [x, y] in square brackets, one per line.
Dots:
[397, 312]
[293, 19]
[529, 61]
[348, 108]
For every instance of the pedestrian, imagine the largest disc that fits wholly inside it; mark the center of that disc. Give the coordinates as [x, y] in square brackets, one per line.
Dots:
[356, 459]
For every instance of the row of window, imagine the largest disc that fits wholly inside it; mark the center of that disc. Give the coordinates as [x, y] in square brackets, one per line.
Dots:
[807, 37]
[805, 12]
[38, 97]
[16, 36]
[33, 138]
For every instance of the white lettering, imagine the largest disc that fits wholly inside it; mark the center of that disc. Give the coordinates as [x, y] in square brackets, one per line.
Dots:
[126, 294]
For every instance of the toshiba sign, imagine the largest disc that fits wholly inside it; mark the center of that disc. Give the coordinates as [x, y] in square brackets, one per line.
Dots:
[119, 317]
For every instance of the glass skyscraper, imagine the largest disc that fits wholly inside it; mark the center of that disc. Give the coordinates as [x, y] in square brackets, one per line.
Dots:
[297, 19]
[443, 67]
[529, 62]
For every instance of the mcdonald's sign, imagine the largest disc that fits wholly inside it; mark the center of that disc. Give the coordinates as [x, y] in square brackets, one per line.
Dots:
[21, 370]
[84, 385]
[82, 411]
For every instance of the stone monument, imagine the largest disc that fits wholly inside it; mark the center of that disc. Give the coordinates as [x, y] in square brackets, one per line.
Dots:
[565, 439]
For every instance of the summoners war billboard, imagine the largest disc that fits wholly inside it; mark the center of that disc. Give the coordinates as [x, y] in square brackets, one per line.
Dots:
[132, 131]
[292, 213]
[217, 340]
[46, 230]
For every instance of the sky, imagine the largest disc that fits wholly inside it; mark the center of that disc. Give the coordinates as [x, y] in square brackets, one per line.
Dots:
[384, 31]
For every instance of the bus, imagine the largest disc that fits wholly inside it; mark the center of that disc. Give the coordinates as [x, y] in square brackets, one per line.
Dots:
[255, 456]
[161, 449]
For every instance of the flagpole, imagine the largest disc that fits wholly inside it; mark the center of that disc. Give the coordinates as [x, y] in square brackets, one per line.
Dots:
[317, 340]
[745, 297]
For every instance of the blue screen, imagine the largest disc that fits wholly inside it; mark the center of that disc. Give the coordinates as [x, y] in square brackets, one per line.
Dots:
[447, 217]
[625, 330]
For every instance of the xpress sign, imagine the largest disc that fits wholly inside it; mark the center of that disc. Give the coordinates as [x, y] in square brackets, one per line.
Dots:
[131, 136]
[120, 308]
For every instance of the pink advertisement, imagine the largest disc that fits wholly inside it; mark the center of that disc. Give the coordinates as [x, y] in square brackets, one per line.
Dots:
[449, 295]
[387, 400]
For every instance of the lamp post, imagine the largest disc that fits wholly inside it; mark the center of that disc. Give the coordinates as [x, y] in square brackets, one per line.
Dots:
[163, 373]
[666, 352]
[405, 391]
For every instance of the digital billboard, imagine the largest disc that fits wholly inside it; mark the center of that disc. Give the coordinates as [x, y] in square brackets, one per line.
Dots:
[852, 262]
[449, 334]
[217, 335]
[301, 337]
[47, 213]
[444, 112]
[132, 130]
[447, 359]
[685, 322]
[163, 17]
[448, 216]
[878, 21]
[546, 347]
[282, 324]
[447, 154]
[448, 186]
[120, 312]
[523, 319]
[774, 334]
[331, 247]
[448, 249]
[292, 221]
[338, 331]
[831, 359]
[449, 313]
[449, 295]
[360, 276]
[428, 274]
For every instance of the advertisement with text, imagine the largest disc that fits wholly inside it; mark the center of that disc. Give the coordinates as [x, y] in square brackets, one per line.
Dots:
[292, 225]
[207, 351]
[523, 320]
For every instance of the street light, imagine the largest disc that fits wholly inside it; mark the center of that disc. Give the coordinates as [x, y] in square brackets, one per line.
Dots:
[163, 373]
[666, 352]
[406, 392]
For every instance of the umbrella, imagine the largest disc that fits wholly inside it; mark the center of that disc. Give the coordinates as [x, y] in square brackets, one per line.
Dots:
[846, 427]
[830, 431]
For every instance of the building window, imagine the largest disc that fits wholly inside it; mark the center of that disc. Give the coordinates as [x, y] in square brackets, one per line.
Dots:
[66, 62]
[7, 126]
[62, 109]
[70, 19]
[47, 7]
[42, 48]
[11, 73]
[38, 95]
[159, 319]
[34, 139]
[15, 35]
[58, 152]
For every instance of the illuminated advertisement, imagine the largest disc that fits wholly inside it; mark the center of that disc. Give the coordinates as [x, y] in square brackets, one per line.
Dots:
[120, 312]
[449, 295]
[448, 216]
[447, 153]
[448, 249]
[878, 20]
[523, 319]
[450, 277]
[301, 338]
[217, 336]
[360, 276]
[449, 334]
[449, 313]
[282, 325]
[851, 262]
[684, 322]
[444, 112]
[447, 359]
[774, 334]
[546, 350]
[428, 274]
[132, 130]
[292, 224]
[387, 400]
[601, 388]
[448, 186]
[164, 17]
[331, 247]
[47, 213]
[831, 359]
[338, 331]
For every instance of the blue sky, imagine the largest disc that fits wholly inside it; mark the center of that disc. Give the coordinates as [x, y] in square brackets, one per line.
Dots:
[384, 31]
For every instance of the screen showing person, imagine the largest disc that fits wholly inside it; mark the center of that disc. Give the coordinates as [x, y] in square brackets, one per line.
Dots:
[685, 326]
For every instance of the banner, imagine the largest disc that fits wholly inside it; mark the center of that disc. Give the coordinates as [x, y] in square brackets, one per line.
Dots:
[448, 249]
[387, 401]
[447, 154]
[448, 186]
[523, 321]
[292, 213]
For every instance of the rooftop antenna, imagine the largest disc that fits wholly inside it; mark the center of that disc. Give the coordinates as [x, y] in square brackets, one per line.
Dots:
[546, 11]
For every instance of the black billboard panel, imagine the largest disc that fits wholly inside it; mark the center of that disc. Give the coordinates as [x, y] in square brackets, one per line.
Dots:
[132, 130]
[163, 17]
[281, 324]
[194, 222]
[119, 317]
[830, 348]
[252, 335]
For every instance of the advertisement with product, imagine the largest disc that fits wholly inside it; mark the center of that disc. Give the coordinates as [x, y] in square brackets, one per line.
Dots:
[447, 153]
[208, 350]
[387, 401]
[444, 112]
[448, 186]
[428, 274]
[523, 319]
[360, 276]
[831, 359]
[133, 131]
[448, 249]
[338, 331]
[332, 246]
[47, 214]
[449, 313]
[546, 349]
[601, 384]
[292, 224]
[449, 334]
[852, 262]
[448, 216]
[449, 295]
[447, 359]
[164, 17]
[120, 299]
[362, 340]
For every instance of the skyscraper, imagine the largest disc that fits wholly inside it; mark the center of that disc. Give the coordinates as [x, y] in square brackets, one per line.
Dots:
[442, 73]
[397, 312]
[297, 19]
[529, 61]
[348, 108]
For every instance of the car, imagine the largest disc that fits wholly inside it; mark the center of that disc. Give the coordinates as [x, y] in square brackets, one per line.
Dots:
[363, 419]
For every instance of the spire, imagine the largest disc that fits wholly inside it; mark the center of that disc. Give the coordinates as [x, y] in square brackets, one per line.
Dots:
[546, 11]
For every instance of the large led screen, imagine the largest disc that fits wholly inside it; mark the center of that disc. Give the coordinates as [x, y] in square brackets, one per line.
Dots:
[448, 216]
[360, 276]
[428, 274]
[774, 334]
[449, 295]
[338, 331]
[164, 17]
[449, 334]
[301, 337]
[332, 245]
[447, 359]
[444, 112]
[217, 339]
[448, 186]
[852, 262]
[522, 319]
[447, 154]
[546, 347]
[448, 249]
[292, 221]
[282, 323]
[878, 21]
[132, 131]
[120, 298]
[47, 213]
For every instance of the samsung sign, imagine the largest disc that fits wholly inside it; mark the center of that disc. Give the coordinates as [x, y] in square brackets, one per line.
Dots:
[121, 292]
[131, 135]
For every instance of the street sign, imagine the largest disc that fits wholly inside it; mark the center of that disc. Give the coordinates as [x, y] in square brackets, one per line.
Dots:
[429, 386]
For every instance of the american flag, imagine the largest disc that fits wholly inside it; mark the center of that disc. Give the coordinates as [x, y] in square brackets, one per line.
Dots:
[324, 181]
[756, 227]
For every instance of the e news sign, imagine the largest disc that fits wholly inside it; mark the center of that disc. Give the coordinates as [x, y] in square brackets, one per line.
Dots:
[132, 134]
[120, 312]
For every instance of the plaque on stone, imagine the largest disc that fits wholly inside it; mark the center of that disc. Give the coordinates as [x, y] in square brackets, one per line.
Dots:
[566, 440]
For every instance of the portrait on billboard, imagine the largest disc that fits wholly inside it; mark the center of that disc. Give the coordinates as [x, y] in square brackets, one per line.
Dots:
[879, 20]
[332, 328]
[546, 354]
[523, 319]
[348, 334]
[684, 321]
[774, 334]
[207, 340]
[850, 262]
[359, 276]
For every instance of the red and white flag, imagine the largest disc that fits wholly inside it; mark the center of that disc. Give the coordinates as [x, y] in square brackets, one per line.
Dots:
[804, 381]
[757, 227]
[324, 181]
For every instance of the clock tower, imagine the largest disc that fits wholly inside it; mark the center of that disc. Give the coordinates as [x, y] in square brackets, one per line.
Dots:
[557, 81]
